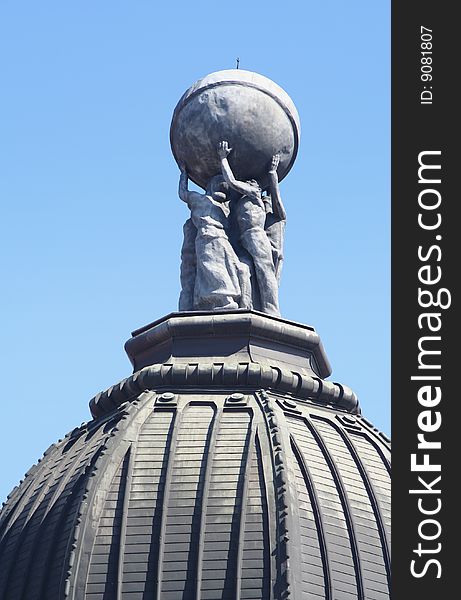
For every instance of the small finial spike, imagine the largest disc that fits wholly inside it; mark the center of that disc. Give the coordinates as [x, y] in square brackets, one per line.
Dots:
[238, 62]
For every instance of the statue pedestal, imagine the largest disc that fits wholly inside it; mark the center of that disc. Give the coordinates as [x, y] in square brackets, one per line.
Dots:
[238, 336]
[233, 350]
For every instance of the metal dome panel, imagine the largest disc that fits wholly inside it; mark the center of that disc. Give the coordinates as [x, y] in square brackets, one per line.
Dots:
[199, 494]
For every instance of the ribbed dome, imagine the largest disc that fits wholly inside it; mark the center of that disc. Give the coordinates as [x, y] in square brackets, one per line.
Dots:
[207, 485]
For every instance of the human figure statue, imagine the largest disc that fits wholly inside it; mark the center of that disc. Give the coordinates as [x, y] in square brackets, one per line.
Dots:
[214, 278]
[275, 218]
[252, 209]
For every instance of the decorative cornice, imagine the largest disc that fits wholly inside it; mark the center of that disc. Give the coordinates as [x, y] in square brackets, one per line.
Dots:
[203, 375]
[284, 503]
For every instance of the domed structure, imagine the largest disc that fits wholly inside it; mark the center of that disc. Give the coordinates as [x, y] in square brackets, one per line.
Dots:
[251, 112]
[225, 467]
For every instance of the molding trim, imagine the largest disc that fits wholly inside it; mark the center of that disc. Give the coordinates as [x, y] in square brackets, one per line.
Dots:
[203, 375]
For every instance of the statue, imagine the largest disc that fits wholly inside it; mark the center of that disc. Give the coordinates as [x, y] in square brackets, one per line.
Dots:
[251, 215]
[212, 277]
[232, 252]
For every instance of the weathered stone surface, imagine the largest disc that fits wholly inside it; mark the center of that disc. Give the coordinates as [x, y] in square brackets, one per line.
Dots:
[251, 112]
[212, 276]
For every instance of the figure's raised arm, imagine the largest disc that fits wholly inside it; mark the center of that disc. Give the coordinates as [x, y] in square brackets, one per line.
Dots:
[183, 190]
[241, 187]
[277, 205]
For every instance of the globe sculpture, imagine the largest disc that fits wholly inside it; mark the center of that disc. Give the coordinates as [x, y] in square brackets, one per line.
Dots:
[251, 112]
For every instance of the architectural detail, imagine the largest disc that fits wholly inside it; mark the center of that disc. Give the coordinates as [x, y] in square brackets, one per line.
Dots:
[212, 276]
[176, 499]
[226, 467]
[248, 476]
[260, 224]
[233, 244]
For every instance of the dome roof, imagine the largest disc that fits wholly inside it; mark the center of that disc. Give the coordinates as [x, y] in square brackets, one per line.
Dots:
[210, 485]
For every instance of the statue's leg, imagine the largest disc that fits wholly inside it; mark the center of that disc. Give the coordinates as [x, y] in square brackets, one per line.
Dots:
[257, 243]
[278, 260]
[275, 232]
[217, 284]
[243, 271]
[188, 267]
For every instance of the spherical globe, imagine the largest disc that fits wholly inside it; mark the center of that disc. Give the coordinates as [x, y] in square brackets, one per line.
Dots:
[252, 113]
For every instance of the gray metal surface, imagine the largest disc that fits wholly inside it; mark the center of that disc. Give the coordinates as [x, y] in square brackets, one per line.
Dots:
[251, 112]
[232, 336]
[223, 478]
[185, 495]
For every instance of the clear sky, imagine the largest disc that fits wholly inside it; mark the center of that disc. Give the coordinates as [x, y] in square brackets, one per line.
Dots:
[91, 222]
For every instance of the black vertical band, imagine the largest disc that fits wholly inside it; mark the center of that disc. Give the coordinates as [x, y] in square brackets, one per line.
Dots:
[425, 253]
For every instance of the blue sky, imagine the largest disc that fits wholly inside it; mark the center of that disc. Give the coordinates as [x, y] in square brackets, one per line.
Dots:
[91, 222]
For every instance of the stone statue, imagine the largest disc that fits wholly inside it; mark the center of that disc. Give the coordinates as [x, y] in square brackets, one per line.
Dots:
[212, 276]
[251, 215]
[232, 253]
[276, 218]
